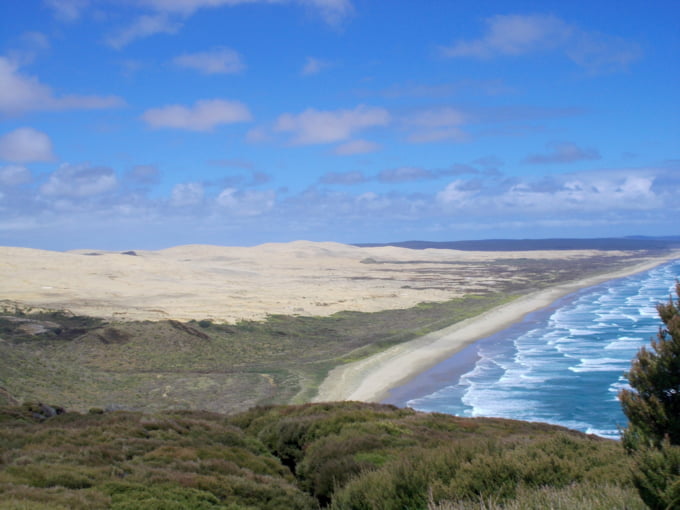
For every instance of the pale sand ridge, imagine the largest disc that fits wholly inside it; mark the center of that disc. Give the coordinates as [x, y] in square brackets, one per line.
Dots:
[370, 379]
[236, 283]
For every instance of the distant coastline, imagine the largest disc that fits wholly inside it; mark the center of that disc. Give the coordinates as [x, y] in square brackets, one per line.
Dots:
[371, 379]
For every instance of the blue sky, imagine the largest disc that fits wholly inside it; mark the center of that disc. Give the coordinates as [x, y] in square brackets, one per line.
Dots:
[152, 123]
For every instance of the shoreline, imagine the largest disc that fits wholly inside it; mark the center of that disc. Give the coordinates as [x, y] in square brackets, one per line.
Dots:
[371, 379]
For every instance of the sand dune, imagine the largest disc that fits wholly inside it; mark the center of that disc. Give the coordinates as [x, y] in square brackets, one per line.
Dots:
[234, 283]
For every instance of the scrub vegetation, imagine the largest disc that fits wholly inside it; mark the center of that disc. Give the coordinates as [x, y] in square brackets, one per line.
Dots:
[653, 408]
[81, 362]
[340, 456]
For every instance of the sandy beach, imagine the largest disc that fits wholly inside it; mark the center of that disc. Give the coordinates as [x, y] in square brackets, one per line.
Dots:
[370, 379]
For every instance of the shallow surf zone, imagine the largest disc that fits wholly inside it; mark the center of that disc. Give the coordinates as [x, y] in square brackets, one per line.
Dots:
[563, 365]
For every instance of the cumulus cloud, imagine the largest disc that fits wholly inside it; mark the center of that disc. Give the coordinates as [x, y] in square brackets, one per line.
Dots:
[456, 194]
[315, 126]
[144, 26]
[187, 194]
[356, 147]
[246, 203]
[25, 145]
[219, 60]
[14, 175]
[584, 194]
[21, 93]
[564, 153]
[565, 196]
[79, 181]
[516, 34]
[205, 115]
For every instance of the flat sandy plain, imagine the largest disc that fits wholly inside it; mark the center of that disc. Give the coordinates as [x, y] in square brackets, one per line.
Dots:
[229, 284]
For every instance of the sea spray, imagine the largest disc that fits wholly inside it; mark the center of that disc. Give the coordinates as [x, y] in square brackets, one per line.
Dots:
[562, 365]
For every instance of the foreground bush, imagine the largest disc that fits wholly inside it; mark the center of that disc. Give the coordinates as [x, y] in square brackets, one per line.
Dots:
[126, 461]
[345, 455]
[653, 409]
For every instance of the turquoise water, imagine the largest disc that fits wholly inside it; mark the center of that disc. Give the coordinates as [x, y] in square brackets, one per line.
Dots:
[563, 365]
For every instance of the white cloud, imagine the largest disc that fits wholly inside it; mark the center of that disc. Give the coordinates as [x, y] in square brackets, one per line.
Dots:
[517, 34]
[67, 10]
[356, 147]
[513, 35]
[332, 11]
[20, 93]
[216, 61]
[456, 194]
[79, 181]
[246, 203]
[14, 175]
[371, 202]
[24, 145]
[187, 194]
[314, 126]
[169, 15]
[584, 194]
[602, 53]
[314, 66]
[205, 115]
[144, 26]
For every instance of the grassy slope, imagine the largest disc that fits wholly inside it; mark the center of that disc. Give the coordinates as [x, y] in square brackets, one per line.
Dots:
[342, 456]
[83, 362]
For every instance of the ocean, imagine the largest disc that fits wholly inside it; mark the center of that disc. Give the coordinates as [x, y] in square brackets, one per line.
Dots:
[563, 365]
